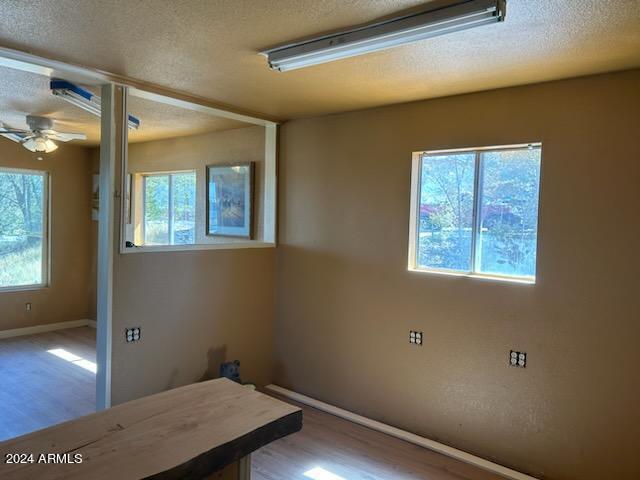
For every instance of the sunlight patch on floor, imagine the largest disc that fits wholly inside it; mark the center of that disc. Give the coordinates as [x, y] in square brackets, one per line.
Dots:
[322, 474]
[76, 360]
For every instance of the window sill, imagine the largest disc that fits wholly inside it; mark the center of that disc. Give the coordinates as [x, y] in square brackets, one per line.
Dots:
[495, 278]
[23, 288]
[189, 248]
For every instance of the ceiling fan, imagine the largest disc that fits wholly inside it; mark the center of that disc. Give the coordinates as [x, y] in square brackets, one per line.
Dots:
[40, 136]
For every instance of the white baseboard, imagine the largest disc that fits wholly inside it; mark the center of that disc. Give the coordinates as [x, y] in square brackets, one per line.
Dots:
[92, 323]
[49, 327]
[402, 434]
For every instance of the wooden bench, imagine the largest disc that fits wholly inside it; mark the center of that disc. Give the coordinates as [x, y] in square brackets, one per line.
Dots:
[204, 430]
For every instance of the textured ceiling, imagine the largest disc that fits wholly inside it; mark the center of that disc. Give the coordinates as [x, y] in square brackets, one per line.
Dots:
[23, 93]
[209, 47]
[165, 121]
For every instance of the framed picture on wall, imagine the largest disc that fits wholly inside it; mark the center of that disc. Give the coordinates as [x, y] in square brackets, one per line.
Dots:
[230, 199]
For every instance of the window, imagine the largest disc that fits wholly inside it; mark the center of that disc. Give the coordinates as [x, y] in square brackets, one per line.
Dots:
[169, 208]
[23, 229]
[475, 212]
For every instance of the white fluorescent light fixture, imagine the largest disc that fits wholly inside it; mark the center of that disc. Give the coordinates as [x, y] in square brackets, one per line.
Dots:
[386, 34]
[84, 99]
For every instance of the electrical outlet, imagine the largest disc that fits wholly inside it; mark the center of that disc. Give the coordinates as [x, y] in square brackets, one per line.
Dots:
[132, 334]
[517, 359]
[415, 337]
[27, 307]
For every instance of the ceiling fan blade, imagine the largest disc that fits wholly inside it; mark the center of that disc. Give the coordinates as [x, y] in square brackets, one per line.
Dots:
[14, 131]
[65, 137]
[16, 137]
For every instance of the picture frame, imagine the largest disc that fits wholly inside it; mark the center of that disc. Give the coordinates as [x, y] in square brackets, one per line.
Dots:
[229, 199]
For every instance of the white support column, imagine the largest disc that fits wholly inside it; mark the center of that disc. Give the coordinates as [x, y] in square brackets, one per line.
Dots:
[105, 247]
[270, 183]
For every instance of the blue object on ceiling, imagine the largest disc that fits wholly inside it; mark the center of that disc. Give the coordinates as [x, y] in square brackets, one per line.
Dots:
[84, 99]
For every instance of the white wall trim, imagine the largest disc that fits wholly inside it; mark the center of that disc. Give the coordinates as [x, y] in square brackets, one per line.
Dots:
[48, 327]
[196, 247]
[402, 434]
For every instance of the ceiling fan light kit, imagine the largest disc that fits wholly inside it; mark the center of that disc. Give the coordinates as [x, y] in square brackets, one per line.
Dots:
[387, 34]
[40, 144]
[40, 136]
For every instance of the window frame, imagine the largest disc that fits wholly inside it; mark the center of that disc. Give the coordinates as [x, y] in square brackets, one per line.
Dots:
[168, 174]
[265, 200]
[414, 218]
[46, 227]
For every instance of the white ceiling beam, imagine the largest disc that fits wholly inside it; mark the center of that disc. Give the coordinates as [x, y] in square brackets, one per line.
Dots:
[51, 68]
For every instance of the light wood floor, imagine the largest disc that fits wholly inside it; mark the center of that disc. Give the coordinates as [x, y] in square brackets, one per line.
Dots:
[39, 389]
[353, 452]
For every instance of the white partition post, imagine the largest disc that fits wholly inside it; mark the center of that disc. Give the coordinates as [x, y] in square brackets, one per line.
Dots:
[105, 247]
[270, 183]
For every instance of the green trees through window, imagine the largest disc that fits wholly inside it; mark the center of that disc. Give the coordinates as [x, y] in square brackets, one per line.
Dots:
[170, 208]
[446, 212]
[478, 212]
[22, 228]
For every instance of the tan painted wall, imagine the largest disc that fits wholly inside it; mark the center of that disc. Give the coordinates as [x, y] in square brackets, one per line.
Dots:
[346, 300]
[67, 298]
[196, 308]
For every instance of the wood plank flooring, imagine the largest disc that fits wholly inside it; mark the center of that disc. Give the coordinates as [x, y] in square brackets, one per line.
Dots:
[336, 449]
[39, 389]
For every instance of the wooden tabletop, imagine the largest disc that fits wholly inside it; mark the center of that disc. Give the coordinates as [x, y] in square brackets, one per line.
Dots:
[188, 432]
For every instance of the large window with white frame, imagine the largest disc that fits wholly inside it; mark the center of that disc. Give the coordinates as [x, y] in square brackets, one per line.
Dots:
[169, 208]
[23, 229]
[475, 212]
